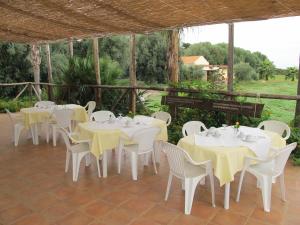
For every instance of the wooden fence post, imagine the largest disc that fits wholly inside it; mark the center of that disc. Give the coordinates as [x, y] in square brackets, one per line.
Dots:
[297, 110]
[230, 65]
[132, 73]
[97, 67]
[49, 67]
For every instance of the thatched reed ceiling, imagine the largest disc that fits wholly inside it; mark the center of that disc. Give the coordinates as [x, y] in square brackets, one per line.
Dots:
[50, 20]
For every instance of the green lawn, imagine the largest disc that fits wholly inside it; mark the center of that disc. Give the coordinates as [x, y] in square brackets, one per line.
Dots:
[280, 109]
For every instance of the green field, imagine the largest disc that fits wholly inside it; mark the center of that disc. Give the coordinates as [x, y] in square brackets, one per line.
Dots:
[280, 109]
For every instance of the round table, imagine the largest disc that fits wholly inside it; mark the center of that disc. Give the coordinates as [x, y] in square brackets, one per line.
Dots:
[104, 136]
[34, 115]
[226, 160]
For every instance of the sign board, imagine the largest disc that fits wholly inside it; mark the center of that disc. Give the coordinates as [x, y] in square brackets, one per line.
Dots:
[228, 106]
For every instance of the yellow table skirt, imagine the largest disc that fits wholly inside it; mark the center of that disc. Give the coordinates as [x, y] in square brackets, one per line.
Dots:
[226, 161]
[34, 115]
[105, 139]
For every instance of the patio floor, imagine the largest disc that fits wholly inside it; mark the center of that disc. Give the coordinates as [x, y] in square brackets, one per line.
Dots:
[34, 189]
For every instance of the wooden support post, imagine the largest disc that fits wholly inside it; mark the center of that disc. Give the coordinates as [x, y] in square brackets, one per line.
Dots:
[132, 72]
[36, 61]
[97, 67]
[297, 110]
[173, 67]
[230, 64]
[49, 68]
[230, 57]
[71, 51]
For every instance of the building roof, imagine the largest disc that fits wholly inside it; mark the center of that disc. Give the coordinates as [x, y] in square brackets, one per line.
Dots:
[189, 59]
[50, 20]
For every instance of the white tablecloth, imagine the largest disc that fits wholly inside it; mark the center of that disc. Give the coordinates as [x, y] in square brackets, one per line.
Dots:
[228, 138]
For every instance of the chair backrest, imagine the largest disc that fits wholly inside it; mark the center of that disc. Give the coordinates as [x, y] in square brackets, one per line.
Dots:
[282, 157]
[193, 127]
[44, 104]
[145, 139]
[65, 137]
[11, 117]
[63, 117]
[276, 126]
[177, 158]
[90, 107]
[102, 115]
[163, 116]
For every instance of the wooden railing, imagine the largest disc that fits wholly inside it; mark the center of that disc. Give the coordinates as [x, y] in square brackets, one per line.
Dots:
[128, 90]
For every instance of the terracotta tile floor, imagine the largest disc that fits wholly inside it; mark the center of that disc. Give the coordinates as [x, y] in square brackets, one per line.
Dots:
[34, 190]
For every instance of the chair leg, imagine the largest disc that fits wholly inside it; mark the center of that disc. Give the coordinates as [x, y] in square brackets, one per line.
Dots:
[190, 186]
[54, 135]
[119, 158]
[282, 187]
[68, 155]
[134, 165]
[146, 159]
[212, 189]
[74, 165]
[87, 160]
[17, 132]
[266, 190]
[240, 185]
[154, 162]
[78, 161]
[183, 184]
[168, 186]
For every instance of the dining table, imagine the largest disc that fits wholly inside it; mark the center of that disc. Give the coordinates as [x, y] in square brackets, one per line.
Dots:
[33, 116]
[227, 148]
[105, 135]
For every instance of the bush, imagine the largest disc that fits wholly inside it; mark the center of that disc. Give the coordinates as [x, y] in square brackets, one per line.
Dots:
[295, 137]
[243, 71]
[14, 106]
[189, 72]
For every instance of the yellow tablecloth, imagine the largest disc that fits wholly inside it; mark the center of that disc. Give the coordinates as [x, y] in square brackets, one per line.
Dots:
[226, 161]
[104, 139]
[36, 115]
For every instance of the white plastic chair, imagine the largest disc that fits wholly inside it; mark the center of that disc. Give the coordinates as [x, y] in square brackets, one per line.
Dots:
[102, 115]
[163, 116]
[265, 170]
[190, 172]
[90, 107]
[192, 127]
[143, 145]
[277, 127]
[17, 125]
[44, 104]
[78, 150]
[63, 118]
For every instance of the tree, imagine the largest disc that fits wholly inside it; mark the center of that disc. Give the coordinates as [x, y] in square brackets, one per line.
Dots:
[243, 71]
[152, 58]
[14, 66]
[291, 73]
[266, 69]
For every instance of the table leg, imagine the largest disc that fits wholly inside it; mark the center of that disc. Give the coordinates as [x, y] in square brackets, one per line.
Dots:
[226, 196]
[104, 163]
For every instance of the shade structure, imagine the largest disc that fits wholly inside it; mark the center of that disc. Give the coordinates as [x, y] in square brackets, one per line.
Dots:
[50, 20]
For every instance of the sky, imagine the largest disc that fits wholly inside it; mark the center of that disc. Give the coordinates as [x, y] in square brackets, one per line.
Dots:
[279, 39]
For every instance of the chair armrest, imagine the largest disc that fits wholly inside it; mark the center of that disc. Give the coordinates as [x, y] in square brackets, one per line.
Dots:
[77, 141]
[248, 160]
